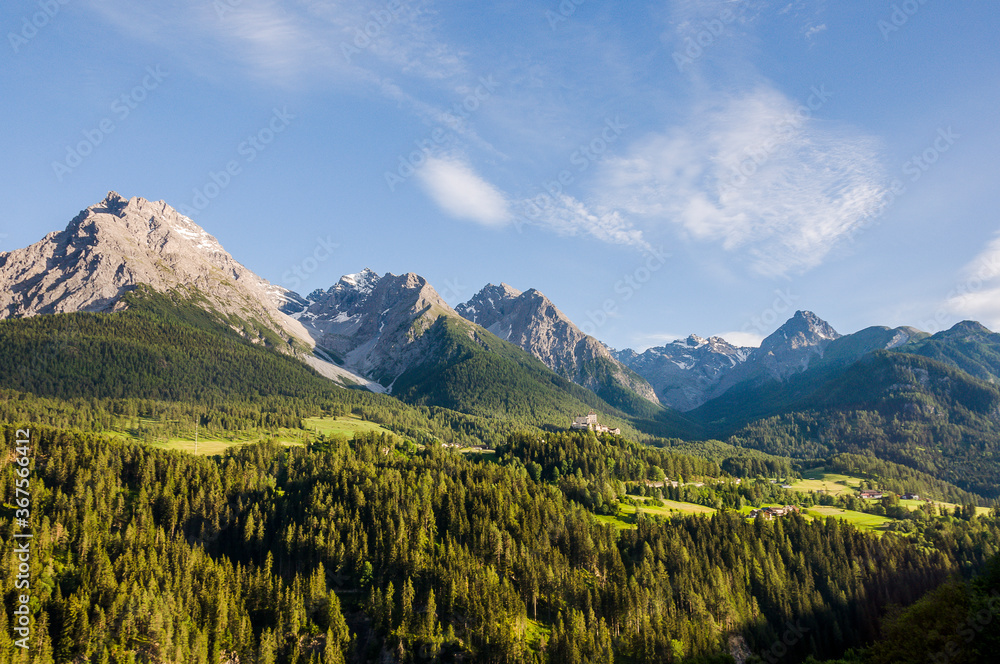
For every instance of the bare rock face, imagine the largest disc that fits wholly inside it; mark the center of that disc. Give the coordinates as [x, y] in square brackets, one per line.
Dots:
[112, 247]
[531, 321]
[373, 325]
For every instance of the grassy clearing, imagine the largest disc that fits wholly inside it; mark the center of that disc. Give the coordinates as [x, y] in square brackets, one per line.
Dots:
[670, 508]
[347, 425]
[615, 521]
[675, 506]
[205, 447]
[834, 484]
[210, 446]
[859, 519]
[916, 504]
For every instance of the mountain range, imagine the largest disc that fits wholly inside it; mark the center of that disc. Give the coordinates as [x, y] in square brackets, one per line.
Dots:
[511, 354]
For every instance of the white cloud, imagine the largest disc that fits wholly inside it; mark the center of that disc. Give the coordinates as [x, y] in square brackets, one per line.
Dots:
[754, 173]
[977, 295]
[462, 193]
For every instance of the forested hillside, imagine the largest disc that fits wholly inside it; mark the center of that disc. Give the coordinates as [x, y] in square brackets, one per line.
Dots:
[362, 550]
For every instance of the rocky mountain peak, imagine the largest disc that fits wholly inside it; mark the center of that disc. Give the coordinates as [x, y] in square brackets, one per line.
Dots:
[804, 329]
[114, 203]
[489, 305]
[694, 341]
[362, 282]
[111, 247]
[371, 324]
[685, 372]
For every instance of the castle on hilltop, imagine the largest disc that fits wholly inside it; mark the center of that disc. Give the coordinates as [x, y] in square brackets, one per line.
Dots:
[589, 422]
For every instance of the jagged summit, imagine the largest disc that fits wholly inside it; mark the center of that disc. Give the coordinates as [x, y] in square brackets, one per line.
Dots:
[531, 321]
[692, 341]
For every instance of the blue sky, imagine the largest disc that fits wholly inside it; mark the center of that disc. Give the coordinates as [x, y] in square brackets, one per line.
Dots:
[656, 169]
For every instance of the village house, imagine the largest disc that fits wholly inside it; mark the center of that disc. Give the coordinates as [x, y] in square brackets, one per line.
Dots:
[872, 495]
[770, 513]
[585, 422]
[910, 496]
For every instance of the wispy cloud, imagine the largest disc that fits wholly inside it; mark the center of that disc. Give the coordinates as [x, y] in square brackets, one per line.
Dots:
[462, 193]
[293, 44]
[752, 173]
[569, 216]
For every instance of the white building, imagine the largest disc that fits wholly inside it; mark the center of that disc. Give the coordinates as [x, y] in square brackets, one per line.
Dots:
[589, 422]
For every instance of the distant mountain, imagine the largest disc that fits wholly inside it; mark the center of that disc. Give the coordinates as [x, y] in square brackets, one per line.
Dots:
[398, 332]
[790, 365]
[530, 320]
[684, 373]
[688, 373]
[790, 348]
